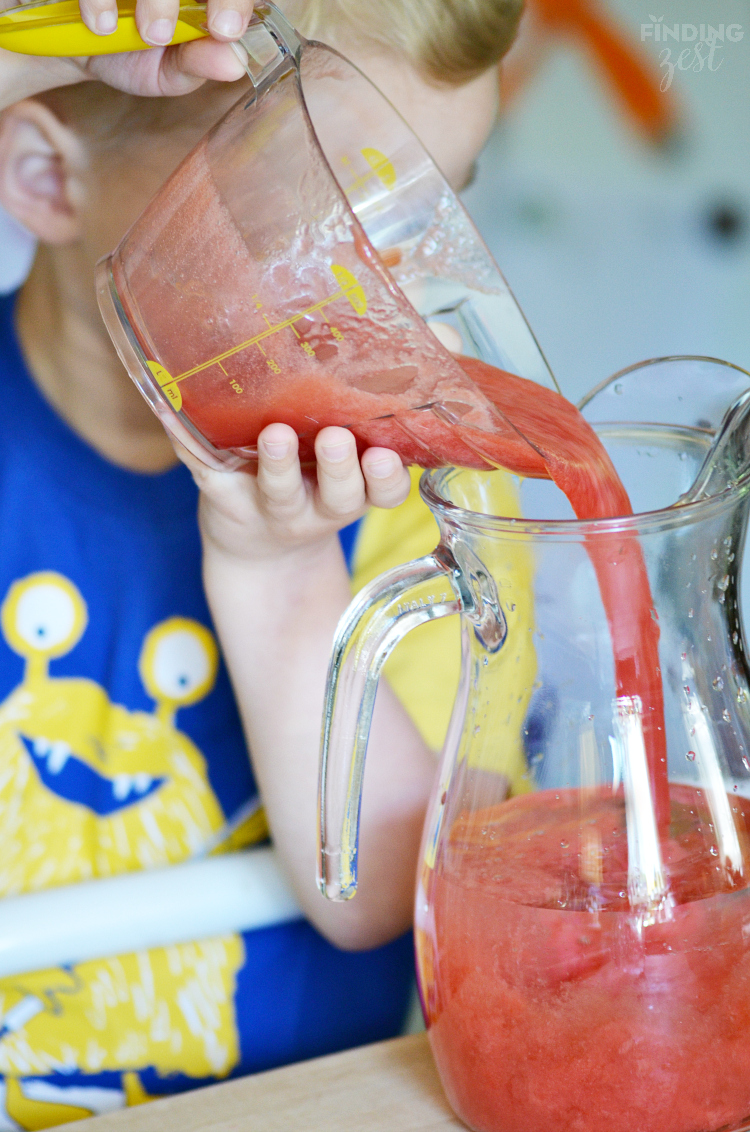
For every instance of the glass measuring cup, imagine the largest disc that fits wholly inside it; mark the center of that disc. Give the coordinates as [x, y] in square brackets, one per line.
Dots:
[286, 269]
[581, 965]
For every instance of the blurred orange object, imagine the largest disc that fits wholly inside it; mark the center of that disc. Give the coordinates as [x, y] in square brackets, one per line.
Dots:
[624, 65]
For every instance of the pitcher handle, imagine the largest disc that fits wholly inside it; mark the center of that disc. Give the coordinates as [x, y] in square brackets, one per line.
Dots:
[378, 618]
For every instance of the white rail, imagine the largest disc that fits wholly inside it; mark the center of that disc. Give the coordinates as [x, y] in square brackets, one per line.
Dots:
[100, 918]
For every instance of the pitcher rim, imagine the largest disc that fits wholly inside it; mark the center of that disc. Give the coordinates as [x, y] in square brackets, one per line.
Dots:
[643, 522]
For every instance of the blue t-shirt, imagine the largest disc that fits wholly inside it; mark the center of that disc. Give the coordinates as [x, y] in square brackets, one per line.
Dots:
[121, 748]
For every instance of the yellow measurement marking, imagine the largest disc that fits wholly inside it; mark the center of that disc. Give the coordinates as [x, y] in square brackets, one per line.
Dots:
[350, 289]
[167, 384]
[380, 166]
[221, 367]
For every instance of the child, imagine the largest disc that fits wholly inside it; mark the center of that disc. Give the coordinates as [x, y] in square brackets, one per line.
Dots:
[120, 743]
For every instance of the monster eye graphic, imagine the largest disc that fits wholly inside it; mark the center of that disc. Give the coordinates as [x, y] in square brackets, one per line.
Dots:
[43, 616]
[178, 663]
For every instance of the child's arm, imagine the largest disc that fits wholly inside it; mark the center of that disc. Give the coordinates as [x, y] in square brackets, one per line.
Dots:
[159, 71]
[277, 584]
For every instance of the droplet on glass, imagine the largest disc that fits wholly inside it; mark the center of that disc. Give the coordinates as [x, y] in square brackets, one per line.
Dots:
[718, 683]
[690, 756]
[741, 696]
[714, 851]
[724, 583]
[683, 656]
[714, 554]
[564, 844]
[690, 613]
[726, 716]
[735, 637]
[618, 388]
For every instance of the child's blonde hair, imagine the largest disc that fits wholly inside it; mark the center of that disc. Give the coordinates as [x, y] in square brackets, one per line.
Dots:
[449, 41]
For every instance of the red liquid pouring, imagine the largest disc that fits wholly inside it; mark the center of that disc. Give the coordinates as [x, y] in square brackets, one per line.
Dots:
[191, 289]
[545, 1016]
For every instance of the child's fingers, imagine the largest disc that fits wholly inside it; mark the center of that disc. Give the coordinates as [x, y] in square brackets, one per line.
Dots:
[156, 20]
[279, 475]
[188, 64]
[228, 19]
[99, 16]
[387, 479]
[341, 486]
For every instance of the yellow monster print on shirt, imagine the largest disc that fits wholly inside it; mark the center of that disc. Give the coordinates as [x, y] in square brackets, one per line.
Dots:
[145, 795]
[89, 788]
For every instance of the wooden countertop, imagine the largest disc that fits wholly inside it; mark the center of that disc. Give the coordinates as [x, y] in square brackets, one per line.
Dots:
[389, 1087]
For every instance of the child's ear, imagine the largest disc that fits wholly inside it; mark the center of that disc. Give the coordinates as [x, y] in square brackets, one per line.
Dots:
[42, 165]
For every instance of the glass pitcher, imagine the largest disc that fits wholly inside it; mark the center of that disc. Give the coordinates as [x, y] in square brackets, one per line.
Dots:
[583, 965]
[287, 269]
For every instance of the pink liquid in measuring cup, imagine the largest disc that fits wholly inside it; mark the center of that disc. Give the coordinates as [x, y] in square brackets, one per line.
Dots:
[543, 1015]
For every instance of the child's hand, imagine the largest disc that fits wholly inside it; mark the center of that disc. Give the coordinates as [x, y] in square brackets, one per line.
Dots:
[165, 70]
[160, 71]
[282, 511]
[157, 19]
[168, 70]
[277, 584]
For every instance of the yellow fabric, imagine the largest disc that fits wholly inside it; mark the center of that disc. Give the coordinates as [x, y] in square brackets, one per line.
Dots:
[170, 1008]
[424, 669]
[34, 1115]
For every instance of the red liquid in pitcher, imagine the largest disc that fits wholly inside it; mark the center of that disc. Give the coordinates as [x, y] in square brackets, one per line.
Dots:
[545, 1016]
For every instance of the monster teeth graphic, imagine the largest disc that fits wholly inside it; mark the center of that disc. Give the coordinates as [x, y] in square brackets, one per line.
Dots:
[73, 779]
[56, 753]
[125, 784]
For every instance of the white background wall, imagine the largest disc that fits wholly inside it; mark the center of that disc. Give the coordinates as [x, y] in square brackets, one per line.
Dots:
[607, 243]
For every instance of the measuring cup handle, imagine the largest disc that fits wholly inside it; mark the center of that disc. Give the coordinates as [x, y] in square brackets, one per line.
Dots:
[269, 48]
[379, 617]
